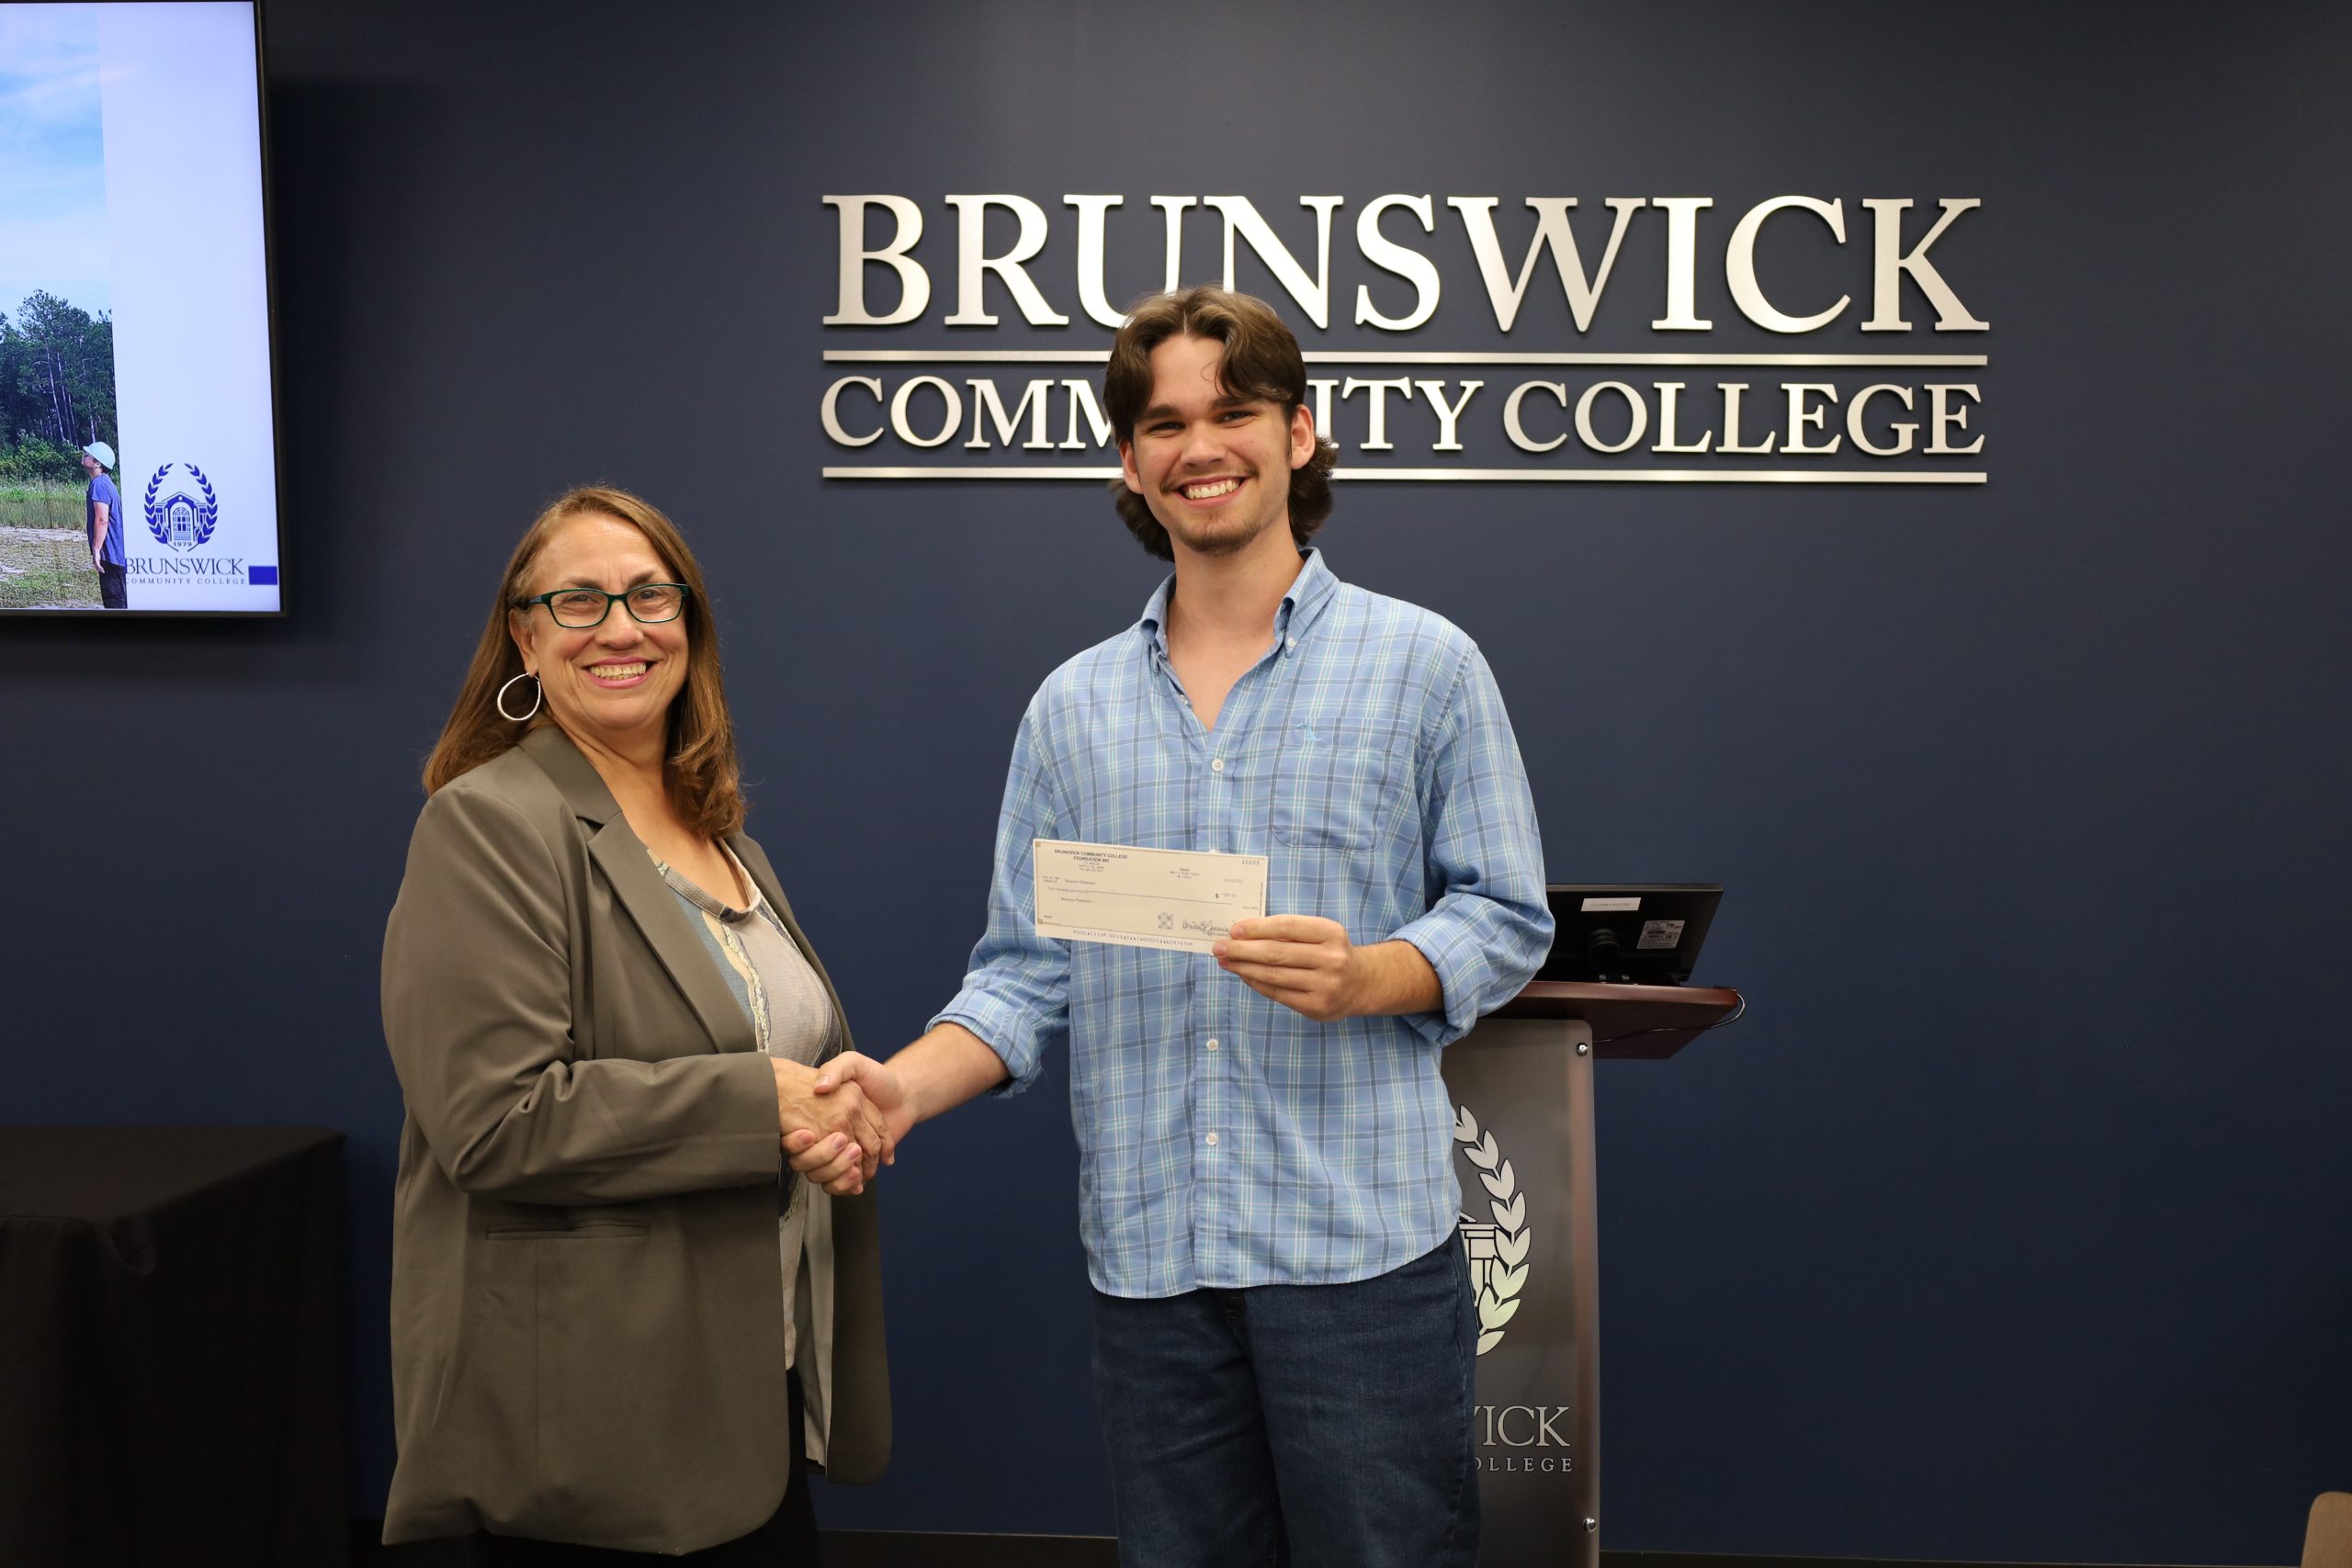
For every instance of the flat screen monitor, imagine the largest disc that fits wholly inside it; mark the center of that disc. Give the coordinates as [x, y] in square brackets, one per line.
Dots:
[134, 313]
[1632, 933]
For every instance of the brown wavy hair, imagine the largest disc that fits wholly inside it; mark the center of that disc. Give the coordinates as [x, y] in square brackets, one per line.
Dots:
[704, 775]
[1262, 360]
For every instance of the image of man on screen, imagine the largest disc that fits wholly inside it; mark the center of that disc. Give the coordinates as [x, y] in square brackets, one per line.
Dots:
[103, 513]
[1286, 1337]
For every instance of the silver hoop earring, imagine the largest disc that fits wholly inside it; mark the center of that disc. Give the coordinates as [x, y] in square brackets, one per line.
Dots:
[538, 693]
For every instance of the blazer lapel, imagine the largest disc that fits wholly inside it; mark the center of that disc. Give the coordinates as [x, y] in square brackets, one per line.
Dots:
[659, 916]
[621, 854]
[755, 860]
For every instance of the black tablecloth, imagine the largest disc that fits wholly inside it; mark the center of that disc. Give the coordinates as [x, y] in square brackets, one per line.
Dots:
[171, 1370]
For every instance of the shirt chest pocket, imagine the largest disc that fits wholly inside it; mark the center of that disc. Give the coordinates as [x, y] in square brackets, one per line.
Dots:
[1345, 791]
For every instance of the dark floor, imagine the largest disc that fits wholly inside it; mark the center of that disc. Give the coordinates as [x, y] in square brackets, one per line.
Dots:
[912, 1549]
[844, 1549]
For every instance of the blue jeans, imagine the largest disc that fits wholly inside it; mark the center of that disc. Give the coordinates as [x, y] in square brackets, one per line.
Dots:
[1320, 1425]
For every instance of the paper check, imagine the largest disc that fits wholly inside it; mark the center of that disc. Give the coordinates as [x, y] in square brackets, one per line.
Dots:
[1181, 900]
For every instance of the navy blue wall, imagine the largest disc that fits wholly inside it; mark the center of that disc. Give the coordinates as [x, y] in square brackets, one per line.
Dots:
[2010, 1224]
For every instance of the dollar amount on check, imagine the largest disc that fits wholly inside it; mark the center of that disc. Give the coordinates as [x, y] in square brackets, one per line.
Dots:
[1183, 900]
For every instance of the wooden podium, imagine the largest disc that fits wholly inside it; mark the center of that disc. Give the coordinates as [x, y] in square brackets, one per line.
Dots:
[1521, 1084]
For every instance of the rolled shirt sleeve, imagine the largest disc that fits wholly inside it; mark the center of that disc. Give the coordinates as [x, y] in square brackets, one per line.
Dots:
[1016, 994]
[1489, 925]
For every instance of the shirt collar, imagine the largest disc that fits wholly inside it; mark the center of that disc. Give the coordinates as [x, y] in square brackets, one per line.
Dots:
[702, 897]
[1309, 592]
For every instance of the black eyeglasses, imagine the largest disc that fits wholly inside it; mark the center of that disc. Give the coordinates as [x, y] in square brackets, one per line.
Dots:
[651, 603]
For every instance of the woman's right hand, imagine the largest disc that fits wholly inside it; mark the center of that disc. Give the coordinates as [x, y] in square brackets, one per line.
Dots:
[842, 1120]
[831, 1160]
[835, 1164]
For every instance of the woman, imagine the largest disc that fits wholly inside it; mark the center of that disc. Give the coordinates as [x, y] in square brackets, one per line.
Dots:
[634, 1274]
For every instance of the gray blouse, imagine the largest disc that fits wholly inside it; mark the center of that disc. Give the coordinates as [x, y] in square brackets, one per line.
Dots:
[792, 1016]
[790, 1013]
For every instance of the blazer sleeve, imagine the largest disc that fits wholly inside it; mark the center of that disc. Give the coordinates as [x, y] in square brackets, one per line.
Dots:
[476, 1000]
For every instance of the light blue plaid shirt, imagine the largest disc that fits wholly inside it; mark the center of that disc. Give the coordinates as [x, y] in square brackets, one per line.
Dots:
[1224, 1140]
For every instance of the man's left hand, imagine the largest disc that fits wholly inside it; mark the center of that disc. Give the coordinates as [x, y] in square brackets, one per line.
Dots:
[1303, 962]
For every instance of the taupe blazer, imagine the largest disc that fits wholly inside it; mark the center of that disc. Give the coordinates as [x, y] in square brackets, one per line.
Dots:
[587, 1299]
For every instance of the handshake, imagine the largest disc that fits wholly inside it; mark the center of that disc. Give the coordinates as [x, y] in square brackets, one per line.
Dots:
[841, 1122]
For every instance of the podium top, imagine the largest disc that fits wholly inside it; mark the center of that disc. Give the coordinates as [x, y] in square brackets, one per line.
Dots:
[1635, 1023]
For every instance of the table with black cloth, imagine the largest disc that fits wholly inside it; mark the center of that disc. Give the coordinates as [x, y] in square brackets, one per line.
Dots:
[171, 1366]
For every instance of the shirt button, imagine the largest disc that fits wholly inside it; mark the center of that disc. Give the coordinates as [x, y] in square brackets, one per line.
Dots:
[1217, 764]
[1211, 1140]
[1212, 1045]
[1290, 642]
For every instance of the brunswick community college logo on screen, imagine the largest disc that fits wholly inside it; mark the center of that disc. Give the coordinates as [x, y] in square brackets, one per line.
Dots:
[179, 520]
[183, 510]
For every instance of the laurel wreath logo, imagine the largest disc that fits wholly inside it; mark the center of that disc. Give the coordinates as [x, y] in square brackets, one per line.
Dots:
[1501, 1281]
[206, 515]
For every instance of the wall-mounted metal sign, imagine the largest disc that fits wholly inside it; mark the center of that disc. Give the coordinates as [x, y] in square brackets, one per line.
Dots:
[1417, 414]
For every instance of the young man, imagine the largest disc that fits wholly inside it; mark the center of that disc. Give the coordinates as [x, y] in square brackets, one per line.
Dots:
[102, 519]
[1285, 1334]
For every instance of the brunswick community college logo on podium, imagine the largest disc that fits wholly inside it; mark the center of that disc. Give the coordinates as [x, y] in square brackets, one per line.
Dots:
[181, 521]
[1497, 1249]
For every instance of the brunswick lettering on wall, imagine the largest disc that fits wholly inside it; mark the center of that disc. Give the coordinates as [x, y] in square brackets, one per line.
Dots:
[1665, 411]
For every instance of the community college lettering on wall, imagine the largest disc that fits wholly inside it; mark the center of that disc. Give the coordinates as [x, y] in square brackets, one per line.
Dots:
[1664, 411]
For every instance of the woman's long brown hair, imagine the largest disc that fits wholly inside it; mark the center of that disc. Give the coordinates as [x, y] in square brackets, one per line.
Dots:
[704, 776]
